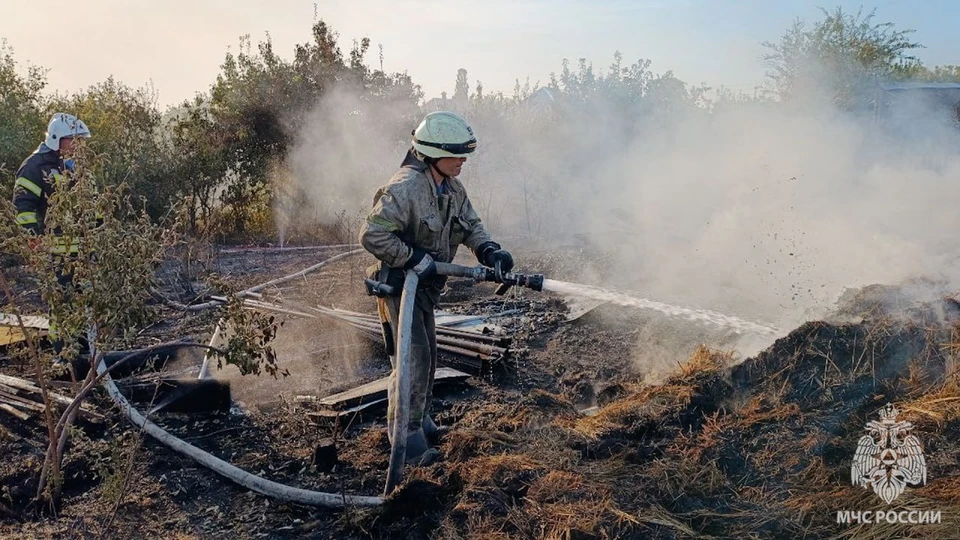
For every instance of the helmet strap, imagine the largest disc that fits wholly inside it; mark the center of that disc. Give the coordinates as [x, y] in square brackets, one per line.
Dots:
[433, 166]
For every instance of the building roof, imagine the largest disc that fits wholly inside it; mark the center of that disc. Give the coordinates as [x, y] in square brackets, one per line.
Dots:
[918, 85]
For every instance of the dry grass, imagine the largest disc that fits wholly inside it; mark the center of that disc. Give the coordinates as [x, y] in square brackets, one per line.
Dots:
[464, 444]
[501, 470]
[936, 408]
[373, 449]
[705, 360]
[945, 491]
[567, 504]
[536, 409]
[652, 403]
[681, 459]
[515, 497]
[570, 520]
[649, 404]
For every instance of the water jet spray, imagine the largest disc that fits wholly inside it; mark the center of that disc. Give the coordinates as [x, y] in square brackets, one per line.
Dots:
[736, 324]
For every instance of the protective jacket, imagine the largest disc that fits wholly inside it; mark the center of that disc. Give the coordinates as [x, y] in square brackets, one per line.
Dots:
[410, 211]
[37, 179]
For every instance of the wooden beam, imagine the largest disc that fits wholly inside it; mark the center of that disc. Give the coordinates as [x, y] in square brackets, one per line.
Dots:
[10, 335]
[182, 395]
[18, 401]
[331, 416]
[377, 390]
[20, 386]
[29, 321]
[21, 415]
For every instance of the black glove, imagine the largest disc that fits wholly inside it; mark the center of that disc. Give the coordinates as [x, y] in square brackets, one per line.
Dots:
[489, 253]
[422, 263]
[504, 258]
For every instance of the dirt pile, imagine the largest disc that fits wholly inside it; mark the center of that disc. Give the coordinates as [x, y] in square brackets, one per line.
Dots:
[763, 447]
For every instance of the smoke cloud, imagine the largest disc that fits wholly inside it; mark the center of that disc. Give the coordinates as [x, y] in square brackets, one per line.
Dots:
[762, 210]
[350, 145]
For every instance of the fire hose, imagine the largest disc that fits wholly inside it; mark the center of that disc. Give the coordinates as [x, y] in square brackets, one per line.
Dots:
[398, 442]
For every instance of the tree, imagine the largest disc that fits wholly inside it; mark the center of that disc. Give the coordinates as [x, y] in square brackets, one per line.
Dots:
[107, 300]
[197, 165]
[262, 104]
[128, 138]
[667, 95]
[21, 115]
[845, 53]
[945, 74]
[461, 91]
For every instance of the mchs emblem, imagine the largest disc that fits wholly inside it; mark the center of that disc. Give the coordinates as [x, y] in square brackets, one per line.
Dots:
[889, 458]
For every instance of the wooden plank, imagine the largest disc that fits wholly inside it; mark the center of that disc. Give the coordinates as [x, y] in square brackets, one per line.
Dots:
[22, 384]
[500, 340]
[378, 390]
[461, 345]
[181, 395]
[29, 387]
[14, 412]
[475, 362]
[19, 384]
[444, 335]
[12, 390]
[474, 323]
[24, 403]
[10, 331]
[330, 415]
[29, 321]
[18, 401]
[9, 336]
[443, 319]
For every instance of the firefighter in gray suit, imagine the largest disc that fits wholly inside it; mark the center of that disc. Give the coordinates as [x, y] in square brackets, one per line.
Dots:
[421, 217]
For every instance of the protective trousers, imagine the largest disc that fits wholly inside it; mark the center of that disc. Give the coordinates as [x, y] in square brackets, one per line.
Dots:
[59, 341]
[423, 360]
[65, 284]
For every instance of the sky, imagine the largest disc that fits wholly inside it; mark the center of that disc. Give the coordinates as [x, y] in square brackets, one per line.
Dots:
[177, 46]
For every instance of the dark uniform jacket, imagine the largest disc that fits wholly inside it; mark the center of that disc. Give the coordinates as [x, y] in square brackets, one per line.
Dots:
[37, 179]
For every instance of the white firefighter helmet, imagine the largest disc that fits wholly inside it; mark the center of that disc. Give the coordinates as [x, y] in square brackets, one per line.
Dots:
[64, 125]
[444, 134]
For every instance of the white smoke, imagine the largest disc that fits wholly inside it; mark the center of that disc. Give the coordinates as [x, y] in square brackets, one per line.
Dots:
[349, 145]
[766, 211]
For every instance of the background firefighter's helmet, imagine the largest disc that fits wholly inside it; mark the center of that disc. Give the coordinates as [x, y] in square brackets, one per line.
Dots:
[64, 125]
[444, 134]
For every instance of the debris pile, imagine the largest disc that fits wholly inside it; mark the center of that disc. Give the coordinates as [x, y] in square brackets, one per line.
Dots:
[341, 406]
[764, 447]
[23, 399]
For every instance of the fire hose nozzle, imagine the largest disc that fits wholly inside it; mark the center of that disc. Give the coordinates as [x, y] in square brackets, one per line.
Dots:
[510, 279]
[482, 273]
[535, 282]
[379, 289]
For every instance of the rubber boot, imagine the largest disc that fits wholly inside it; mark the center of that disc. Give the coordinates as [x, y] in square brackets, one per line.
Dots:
[419, 452]
[432, 431]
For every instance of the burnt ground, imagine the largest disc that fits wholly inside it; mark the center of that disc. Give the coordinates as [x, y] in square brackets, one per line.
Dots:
[685, 441]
